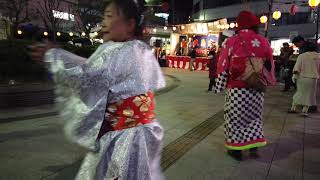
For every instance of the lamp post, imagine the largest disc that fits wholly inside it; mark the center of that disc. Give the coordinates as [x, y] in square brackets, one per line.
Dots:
[315, 4]
[270, 3]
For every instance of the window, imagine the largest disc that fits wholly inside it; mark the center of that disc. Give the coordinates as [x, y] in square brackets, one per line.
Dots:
[209, 4]
[196, 7]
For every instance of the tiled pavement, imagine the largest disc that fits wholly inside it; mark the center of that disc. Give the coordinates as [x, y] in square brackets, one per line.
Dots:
[193, 140]
[292, 151]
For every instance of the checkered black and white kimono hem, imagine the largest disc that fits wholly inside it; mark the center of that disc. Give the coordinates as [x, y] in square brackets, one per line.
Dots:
[243, 116]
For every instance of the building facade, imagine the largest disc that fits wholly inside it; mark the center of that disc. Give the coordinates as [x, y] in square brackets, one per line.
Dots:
[302, 23]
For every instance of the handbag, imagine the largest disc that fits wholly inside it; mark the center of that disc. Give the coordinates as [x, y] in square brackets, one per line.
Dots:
[255, 79]
[252, 72]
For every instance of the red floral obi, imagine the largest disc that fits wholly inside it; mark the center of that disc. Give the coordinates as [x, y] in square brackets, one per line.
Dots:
[131, 112]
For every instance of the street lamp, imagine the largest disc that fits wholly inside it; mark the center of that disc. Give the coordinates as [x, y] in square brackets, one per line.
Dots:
[71, 34]
[174, 28]
[19, 32]
[58, 34]
[314, 4]
[45, 33]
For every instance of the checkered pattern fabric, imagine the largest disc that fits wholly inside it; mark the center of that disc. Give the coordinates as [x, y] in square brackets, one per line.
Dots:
[243, 115]
[221, 82]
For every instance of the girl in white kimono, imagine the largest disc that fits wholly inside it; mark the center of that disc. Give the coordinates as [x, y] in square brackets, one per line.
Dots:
[107, 100]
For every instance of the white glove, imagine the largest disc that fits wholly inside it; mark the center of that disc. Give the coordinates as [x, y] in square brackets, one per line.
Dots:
[294, 78]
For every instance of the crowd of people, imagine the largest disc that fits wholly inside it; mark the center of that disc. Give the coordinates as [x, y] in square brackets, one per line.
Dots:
[300, 71]
[108, 100]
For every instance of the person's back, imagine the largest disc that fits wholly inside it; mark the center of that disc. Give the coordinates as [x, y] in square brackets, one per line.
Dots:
[245, 44]
[308, 64]
[193, 53]
[212, 65]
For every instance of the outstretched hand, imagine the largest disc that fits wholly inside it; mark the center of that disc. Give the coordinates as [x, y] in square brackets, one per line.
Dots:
[37, 51]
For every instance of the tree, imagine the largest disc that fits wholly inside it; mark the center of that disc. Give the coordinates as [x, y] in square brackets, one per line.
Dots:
[45, 9]
[16, 12]
[90, 13]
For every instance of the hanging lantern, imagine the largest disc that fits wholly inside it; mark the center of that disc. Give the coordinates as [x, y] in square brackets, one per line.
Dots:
[293, 9]
[19, 32]
[165, 7]
[263, 19]
[276, 15]
[314, 3]
[232, 25]
[45, 33]
[58, 34]
[71, 34]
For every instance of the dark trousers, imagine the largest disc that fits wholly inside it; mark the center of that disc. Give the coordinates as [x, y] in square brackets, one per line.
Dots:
[162, 62]
[211, 83]
[288, 79]
[288, 82]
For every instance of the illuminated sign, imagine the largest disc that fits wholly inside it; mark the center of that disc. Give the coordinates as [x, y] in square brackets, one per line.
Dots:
[63, 15]
[162, 15]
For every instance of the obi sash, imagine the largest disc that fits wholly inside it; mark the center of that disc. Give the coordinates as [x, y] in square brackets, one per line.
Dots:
[131, 112]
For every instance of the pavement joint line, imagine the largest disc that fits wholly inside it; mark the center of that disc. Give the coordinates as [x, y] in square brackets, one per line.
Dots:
[277, 145]
[176, 83]
[179, 147]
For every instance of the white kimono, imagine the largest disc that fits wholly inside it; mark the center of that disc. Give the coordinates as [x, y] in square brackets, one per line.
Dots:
[116, 71]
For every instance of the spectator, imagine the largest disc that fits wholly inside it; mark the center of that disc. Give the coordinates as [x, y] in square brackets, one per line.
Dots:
[287, 65]
[213, 56]
[193, 56]
[162, 58]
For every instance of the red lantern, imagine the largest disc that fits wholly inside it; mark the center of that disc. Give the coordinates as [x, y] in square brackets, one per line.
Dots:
[293, 9]
[165, 6]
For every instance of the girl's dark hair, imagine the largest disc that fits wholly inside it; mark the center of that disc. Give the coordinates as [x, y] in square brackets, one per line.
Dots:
[131, 9]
